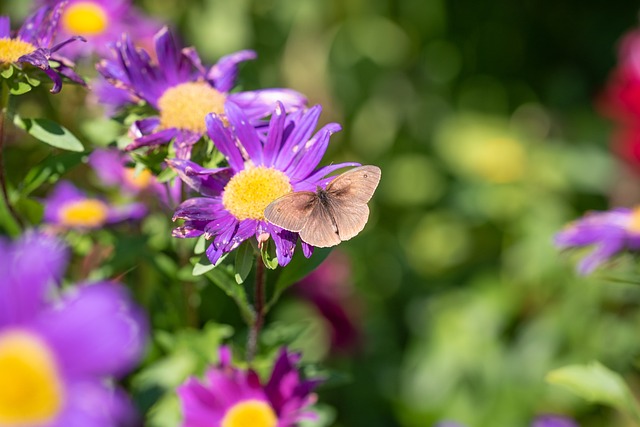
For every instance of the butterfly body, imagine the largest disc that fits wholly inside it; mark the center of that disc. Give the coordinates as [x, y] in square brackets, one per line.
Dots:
[328, 216]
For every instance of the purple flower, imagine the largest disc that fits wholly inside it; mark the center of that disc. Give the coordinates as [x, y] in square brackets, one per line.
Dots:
[69, 207]
[33, 45]
[182, 91]
[261, 169]
[233, 397]
[101, 22]
[59, 351]
[611, 232]
[553, 421]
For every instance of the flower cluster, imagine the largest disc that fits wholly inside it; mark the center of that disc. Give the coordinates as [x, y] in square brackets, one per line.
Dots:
[236, 398]
[56, 353]
[32, 45]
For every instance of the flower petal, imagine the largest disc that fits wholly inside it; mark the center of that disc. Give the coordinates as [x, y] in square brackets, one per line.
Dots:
[96, 331]
[208, 182]
[245, 132]
[260, 103]
[223, 74]
[224, 141]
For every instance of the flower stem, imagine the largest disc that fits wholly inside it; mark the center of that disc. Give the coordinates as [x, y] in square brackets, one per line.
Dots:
[4, 106]
[259, 304]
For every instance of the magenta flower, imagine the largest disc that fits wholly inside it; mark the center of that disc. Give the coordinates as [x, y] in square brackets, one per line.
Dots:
[58, 354]
[69, 207]
[232, 397]
[182, 91]
[610, 232]
[101, 22]
[32, 45]
[261, 169]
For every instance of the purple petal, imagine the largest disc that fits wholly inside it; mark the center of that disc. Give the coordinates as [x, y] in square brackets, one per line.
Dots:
[158, 138]
[285, 242]
[553, 421]
[224, 141]
[5, 27]
[175, 66]
[126, 212]
[97, 331]
[208, 182]
[146, 126]
[303, 130]
[245, 132]
[108, 165]
[316, 179]
[223, 74]
[600, 254]
[183, 143]
[200, 209]
[275, 135]
[31, 267]
[261, 103]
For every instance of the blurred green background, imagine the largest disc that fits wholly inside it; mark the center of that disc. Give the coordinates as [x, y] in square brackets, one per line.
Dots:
[480, 114]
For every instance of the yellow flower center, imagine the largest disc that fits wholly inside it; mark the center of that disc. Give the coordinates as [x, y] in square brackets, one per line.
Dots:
[12, 49]
[30, 385]
[87, 213]
[250, 413]
[186, 105]
[634, 222]
[138, 179]
[250, 191]
[85, 18]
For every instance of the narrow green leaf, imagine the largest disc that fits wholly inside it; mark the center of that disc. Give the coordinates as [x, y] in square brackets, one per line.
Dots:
[244, 262]
[166, 175]
[50, 133]
[225, 280]
[49, 170]
[296, 270]
[202, 266]
[594, 382]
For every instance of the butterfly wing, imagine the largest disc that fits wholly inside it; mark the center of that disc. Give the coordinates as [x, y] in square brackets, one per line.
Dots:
[358, 184]
[348, 195]
[320, 230]
[292, 210]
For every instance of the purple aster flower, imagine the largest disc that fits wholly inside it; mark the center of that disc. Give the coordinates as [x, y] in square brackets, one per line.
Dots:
[233, 397]
[33, 45]
[553, 421]
[261, 169]
[69, 207]
[101, 22]
[611, 232]
[182, 91]
[112, 168]
[59, 351]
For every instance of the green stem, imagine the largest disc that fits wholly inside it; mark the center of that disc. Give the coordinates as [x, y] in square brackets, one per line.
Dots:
[259, 304]
[4, 106]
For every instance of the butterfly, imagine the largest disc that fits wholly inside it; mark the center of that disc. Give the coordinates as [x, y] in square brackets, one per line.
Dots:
[328, 216]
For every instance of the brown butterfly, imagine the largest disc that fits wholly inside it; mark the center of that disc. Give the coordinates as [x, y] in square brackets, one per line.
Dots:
[327, 217]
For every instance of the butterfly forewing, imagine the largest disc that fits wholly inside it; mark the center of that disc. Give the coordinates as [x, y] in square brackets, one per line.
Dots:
[292, 210]
[358, 184]
[319, 230]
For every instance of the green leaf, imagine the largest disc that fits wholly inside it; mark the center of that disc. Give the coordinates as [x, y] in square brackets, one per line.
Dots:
[296, 270]
[203, 265]
[596, 383]
[50, 133]
[31, 209]
[166, 175]
[50, 170]
[7, 73]
[244, 261]
[201, 245]
[225, 280]
[19, 88]
[268, 253]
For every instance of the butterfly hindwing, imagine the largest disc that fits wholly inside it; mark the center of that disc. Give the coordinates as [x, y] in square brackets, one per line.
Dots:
[320, 231]
[292, 210]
